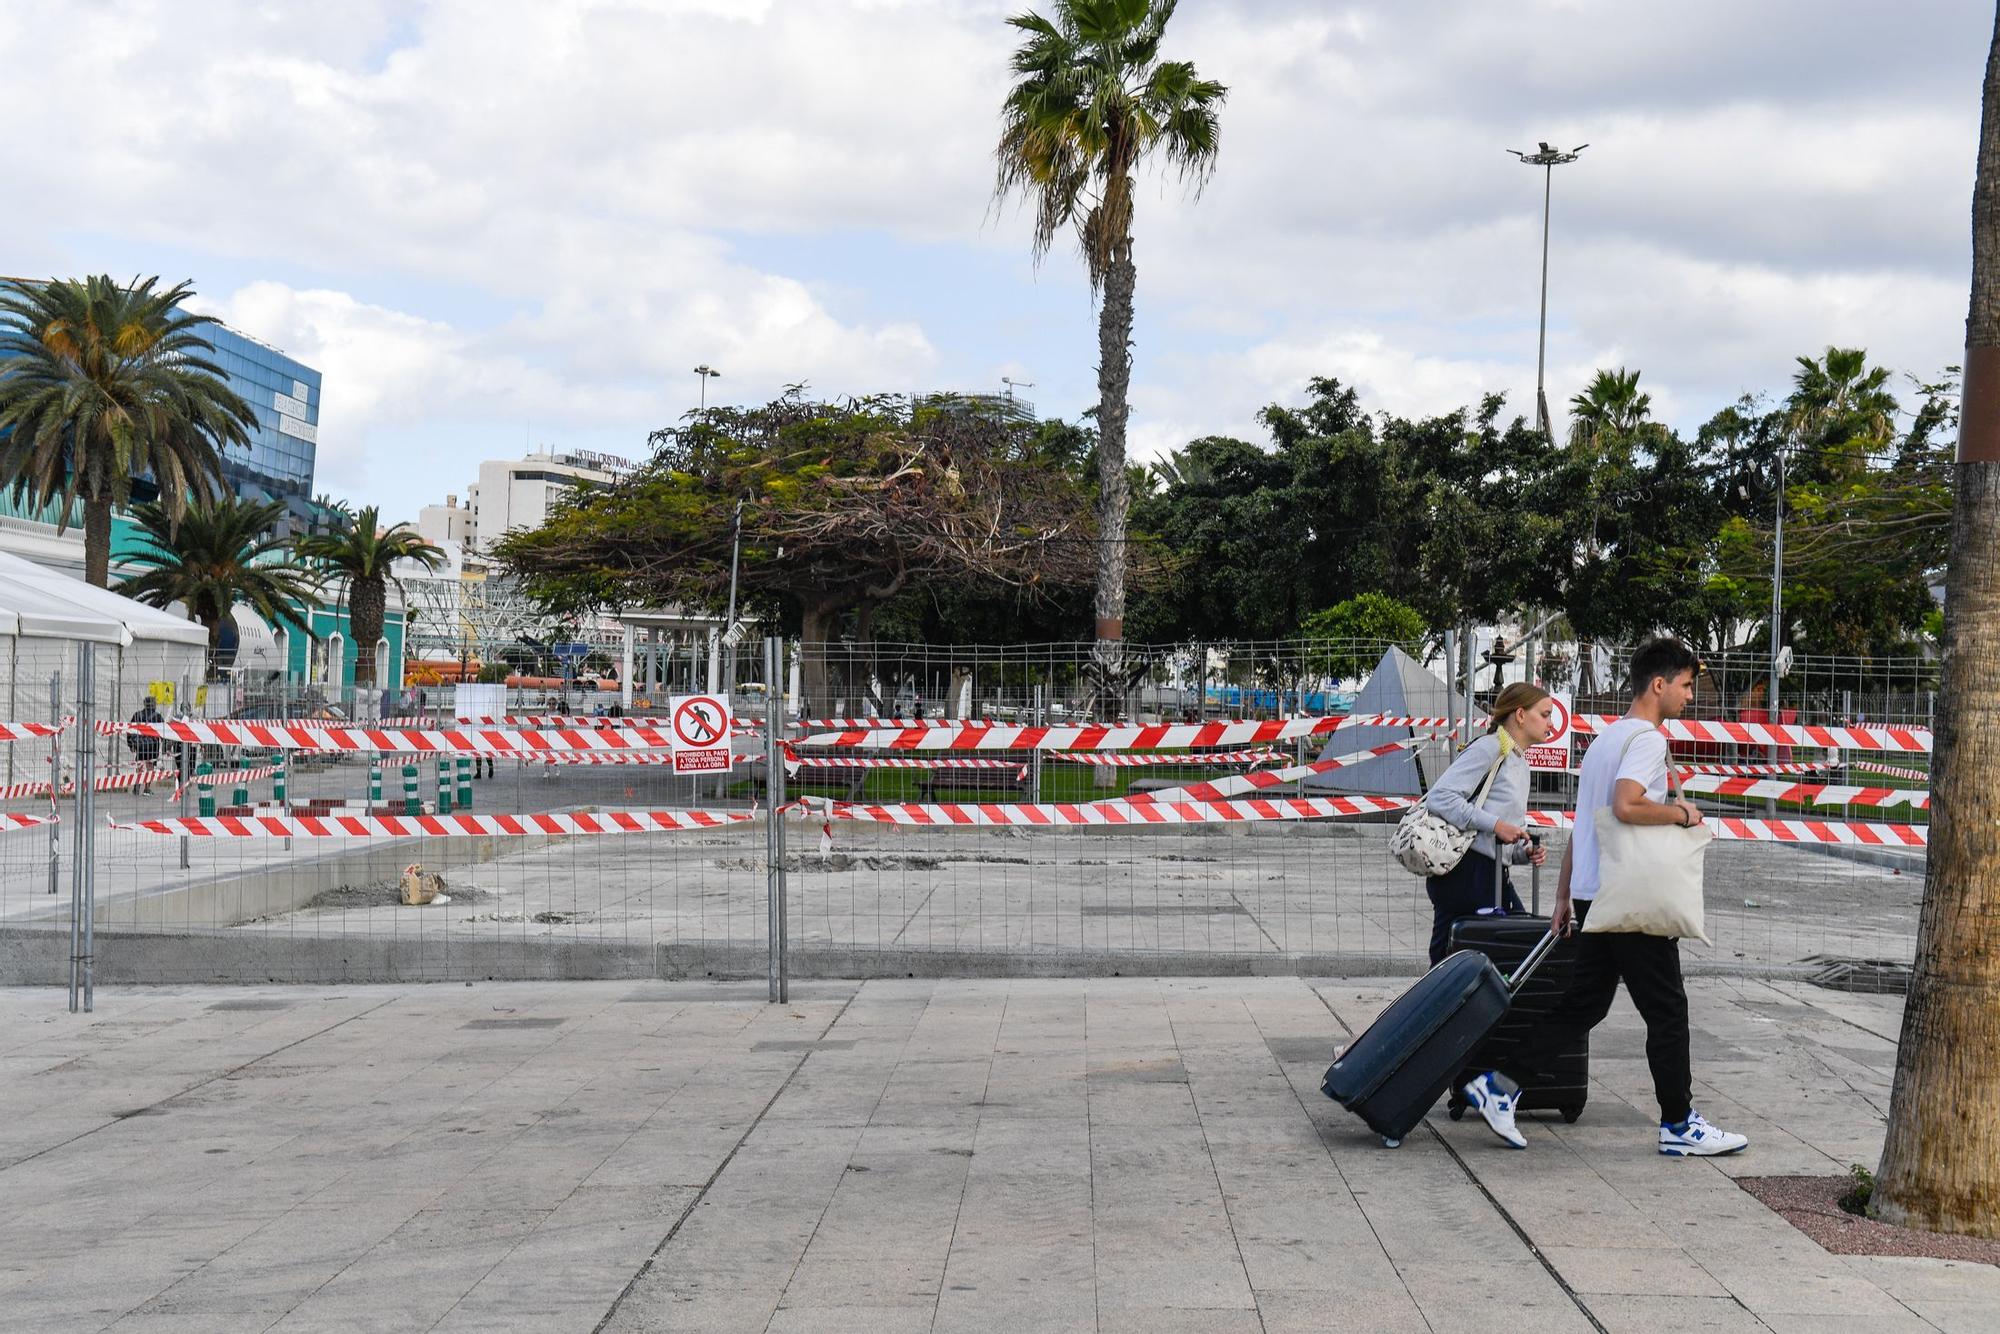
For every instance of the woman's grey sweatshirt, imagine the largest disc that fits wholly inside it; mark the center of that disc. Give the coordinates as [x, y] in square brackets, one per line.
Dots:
[1451, 796]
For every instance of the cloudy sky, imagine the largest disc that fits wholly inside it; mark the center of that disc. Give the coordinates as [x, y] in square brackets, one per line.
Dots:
[492, 223]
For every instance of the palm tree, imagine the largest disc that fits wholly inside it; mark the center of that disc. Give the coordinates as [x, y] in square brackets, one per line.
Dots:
[1092, 100]
[216, 555]
[1611, 403]
[101, 384]
[1940, 1166]
[359, 551]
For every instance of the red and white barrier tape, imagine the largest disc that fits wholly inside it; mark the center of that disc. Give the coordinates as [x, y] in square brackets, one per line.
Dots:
[9, 820]
[20, 790]
[217, 780]
[741, 726]
[1158, 736]
[1222, 788]
[796, 762]
[1756, 770]
[1812, 794]
[435, 826]
[1831, 833]
[563, 757]
[1123, 759]
[873, 724]
[29, 731]
[1912, 740]
[1118, 812]
[1890, 771]
[106, 783]
[335, 737]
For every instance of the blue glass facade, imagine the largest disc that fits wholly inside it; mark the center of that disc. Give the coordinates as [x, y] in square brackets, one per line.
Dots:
[284, 395]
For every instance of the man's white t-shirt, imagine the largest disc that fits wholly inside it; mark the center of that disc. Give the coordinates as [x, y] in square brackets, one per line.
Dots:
[1644, 761]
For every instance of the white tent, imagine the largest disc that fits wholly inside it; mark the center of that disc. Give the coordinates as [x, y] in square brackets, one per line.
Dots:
[1399, 687]
[44, 615]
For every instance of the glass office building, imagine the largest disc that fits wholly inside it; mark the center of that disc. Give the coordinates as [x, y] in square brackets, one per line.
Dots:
[284, 395]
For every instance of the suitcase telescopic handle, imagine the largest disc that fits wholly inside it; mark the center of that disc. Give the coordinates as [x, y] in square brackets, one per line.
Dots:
[1519, 977]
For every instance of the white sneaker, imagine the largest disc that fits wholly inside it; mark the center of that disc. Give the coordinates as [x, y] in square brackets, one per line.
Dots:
[1497, 1105]
[1697, 1138]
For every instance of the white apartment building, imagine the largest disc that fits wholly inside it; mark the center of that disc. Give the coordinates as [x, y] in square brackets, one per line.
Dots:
[514, 493]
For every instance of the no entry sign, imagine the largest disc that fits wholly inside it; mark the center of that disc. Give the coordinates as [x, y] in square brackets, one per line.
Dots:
[700, 734]
[1555, 752]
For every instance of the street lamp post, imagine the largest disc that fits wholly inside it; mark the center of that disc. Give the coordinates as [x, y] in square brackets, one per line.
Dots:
[707, 373]
[1548, 159]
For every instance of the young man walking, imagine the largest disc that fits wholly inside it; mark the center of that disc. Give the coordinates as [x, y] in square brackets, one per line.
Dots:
[1625, 769]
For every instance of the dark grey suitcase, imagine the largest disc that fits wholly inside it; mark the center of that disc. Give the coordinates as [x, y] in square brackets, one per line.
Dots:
[1507, 940]
[1392, 1075]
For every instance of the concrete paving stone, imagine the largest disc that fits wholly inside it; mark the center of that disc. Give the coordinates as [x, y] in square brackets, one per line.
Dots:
[204, 1323]
[1376, 1311]
[1960, 1317]
[1899, 1321]
[1917, 1279]
[1178, 1320]
[853, 1319]
[1629, 1271]
[887, 1280]
[1634, 1313]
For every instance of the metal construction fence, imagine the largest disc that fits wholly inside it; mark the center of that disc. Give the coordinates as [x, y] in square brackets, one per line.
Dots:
[956, 815]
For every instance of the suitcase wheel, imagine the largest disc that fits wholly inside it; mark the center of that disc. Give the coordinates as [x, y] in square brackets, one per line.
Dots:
[1457, 1111]
[1571, 1112]
[1388, 1143]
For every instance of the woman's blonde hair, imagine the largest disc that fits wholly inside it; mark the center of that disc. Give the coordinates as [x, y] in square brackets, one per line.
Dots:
[1512, 698]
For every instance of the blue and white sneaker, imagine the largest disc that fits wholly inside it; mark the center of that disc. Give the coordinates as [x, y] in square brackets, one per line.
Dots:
[1494, 1099]
[1696, 1138]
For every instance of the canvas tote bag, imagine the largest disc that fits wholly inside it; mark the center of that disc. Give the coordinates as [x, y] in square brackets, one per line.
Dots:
[1427, 844]
[1649, 876]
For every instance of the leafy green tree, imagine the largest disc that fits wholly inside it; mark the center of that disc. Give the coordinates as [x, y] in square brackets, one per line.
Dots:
[360, 552]
[102, 384]
[1346, 639]
[218, 555]
[845, 507]
[1092, 100]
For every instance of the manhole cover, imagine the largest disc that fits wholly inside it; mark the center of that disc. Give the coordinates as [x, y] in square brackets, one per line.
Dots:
[1875, 976]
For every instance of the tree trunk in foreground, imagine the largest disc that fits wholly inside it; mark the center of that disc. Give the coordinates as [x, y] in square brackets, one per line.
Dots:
[1941, 1165]
[1114, 382]
[367, 607]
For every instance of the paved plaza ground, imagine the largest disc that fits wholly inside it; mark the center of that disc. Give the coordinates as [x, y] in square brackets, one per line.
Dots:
[1007, 1155]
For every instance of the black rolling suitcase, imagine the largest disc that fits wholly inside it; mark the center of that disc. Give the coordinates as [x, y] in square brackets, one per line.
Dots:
[1392, 1074]
[1507, 941]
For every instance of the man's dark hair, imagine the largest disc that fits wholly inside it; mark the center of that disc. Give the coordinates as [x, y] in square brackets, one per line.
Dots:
[1657, 658]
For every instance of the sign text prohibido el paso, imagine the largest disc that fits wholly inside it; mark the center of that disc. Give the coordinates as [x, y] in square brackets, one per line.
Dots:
[700, 733]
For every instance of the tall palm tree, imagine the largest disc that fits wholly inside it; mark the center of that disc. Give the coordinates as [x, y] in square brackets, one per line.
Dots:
[216, 555]
[359, 552]
[1092, 100]
[102, 383]
[1941, 1163]
[1611, 403]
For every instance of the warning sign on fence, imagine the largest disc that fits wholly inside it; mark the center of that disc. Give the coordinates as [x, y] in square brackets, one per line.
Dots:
[1555, 752]
[700, 734]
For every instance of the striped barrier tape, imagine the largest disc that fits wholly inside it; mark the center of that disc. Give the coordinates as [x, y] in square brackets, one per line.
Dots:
[29, 731]
[335, 737]
[434, 826]
[606, 757]
[107, 783]
[546, 721]
[794, 762]
[1114, 813]
[1124, 759]
[9, 820]
[1890, 771]
[217, 780]
[875, 724]
[1756, 770]
[20, 790]
[1812, 794]
[1097, 736]
[1236, 784]
[1831, 833]
[1910, 740]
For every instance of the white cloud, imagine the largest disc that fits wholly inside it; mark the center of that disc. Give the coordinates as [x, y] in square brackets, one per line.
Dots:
[471, 212]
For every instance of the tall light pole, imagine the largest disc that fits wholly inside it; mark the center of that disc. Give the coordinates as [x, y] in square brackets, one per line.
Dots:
[707, 373]
[1548, 159]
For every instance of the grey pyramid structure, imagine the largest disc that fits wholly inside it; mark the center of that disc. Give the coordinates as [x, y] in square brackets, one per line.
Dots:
[1399, 687]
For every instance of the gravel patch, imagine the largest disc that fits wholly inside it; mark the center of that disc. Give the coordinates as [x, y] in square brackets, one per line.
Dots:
[1812, 1205]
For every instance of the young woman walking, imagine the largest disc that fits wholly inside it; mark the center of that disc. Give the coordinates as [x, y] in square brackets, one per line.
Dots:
[1523, 716]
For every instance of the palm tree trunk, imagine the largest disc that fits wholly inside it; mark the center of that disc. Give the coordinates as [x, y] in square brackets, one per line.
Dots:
[97, 542]
[1941, 1164]
[366, 600]
[1114, 383]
